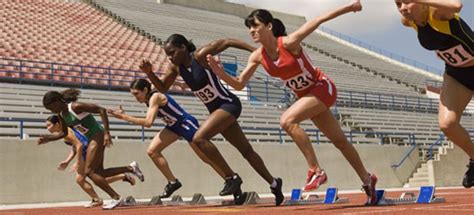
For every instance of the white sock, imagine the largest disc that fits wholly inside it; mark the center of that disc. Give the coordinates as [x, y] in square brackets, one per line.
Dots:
[274, 183]
[172, 182]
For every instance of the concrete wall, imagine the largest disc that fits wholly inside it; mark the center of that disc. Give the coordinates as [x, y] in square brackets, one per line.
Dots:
[232, 9]
[29, 175]
[450, 169]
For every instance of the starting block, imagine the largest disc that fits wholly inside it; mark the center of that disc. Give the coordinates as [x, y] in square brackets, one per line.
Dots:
[198, 199]
[426, 195]
[130, 201]
[330, 198]
[247, 198]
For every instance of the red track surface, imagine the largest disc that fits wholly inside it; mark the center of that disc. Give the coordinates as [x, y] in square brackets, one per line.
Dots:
[458, 201]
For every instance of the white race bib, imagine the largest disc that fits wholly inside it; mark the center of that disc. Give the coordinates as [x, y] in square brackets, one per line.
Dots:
[455, 56]
[81, 129]
[206, 94]
[299, 82]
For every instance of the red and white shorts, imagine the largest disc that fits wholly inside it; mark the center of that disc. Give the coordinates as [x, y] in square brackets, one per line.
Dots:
[324, 89]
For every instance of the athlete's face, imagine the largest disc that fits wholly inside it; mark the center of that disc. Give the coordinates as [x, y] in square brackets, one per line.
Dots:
[175, 54]
[139, 95]
[410, 11]
[260, 31]
[52, 127]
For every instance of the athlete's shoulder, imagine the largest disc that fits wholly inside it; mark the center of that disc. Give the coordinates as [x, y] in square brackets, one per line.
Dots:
[256, 56]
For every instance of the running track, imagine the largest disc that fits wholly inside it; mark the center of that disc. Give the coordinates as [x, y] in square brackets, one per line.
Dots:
[458, 201]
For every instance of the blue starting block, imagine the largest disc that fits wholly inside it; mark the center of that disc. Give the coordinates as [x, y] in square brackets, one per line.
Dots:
[331, 197]
[426, 195]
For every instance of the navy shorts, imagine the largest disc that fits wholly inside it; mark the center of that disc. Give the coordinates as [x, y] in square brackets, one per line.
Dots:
[185, 128]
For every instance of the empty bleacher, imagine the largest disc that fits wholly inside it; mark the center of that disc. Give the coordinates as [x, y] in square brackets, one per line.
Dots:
[80, 40]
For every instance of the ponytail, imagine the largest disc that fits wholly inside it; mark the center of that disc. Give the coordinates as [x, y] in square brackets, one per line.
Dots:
[278, 28]
[67, 96]
[179, 40]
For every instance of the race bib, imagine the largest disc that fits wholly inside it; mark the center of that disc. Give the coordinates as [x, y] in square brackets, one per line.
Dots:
[206, 94]
[299, 82]
[168, 121]
[455, 56]
[81, 129]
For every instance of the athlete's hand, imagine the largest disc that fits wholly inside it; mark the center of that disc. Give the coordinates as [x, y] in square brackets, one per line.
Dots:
[215, 65]
[107, 139]
[356, 6]
[117, 113]
[146, 66]
[42, 140]
[63, 165]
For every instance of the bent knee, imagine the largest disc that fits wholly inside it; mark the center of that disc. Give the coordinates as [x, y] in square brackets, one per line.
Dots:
[287, 123]
[80, 179]
[448, 125]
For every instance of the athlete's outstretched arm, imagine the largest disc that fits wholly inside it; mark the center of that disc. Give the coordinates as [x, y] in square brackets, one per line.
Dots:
[453, 6]
[52, 137]
[155, 102]
[238, 83]
[80, 107]
[161, 85]
[219, 46]
[293, 40]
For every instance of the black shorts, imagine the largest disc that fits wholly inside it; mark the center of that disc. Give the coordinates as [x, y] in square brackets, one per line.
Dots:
[465, 76]
[234, 107]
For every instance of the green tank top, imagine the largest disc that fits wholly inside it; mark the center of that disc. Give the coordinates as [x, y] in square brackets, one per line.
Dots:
[84, 122]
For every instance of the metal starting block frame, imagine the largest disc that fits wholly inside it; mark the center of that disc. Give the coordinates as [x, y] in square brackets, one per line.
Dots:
[331, 197]
[198, 199]
[426, 195]
[130, 201]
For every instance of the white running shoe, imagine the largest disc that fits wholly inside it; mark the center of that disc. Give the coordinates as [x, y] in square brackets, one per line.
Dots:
[137, 172]
[113, 204]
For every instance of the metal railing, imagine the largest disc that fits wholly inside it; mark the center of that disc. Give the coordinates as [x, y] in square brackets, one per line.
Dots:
[439, 142]
[383, 137]
[262, 88]
[408, 153]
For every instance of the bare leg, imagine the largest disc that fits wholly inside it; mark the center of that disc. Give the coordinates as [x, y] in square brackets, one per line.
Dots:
[326, 122]
[86, 186]
[204, 158]
[304, 108]
[94, 162]
[453, 101]
[218, 121]
[236, 137]
[157, 145]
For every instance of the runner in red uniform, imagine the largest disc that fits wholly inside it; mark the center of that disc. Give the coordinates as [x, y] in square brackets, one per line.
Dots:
[282, 56]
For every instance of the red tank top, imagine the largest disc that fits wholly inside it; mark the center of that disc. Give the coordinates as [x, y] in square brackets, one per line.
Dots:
[297, 72]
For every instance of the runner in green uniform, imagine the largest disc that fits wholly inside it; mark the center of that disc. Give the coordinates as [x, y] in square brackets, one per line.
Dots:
[79, 116]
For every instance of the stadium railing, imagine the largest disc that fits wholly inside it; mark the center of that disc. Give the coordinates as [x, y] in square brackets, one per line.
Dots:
[259, 89]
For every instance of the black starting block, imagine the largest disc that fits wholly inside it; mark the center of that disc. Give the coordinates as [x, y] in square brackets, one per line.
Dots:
[130, 201]
[330, 198]
[426, 195]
